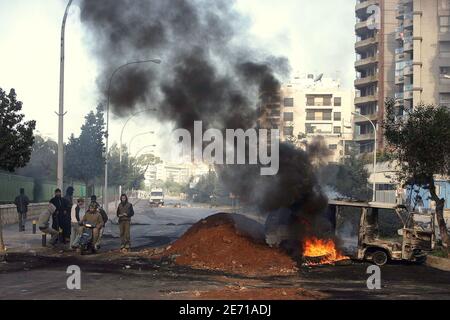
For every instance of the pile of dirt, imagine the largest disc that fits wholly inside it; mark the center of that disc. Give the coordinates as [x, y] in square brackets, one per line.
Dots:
[230, 243]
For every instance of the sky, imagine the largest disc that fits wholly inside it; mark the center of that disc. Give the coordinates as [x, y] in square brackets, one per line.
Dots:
[316, 35]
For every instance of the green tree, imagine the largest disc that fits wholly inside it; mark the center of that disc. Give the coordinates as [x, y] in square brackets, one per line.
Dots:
[16, 138]
[349, 178]
[84, 159]
[16, 135]
[44, 158]
[420, 144]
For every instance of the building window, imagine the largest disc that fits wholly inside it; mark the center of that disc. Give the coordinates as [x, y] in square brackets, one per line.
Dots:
[327, 101]
[444, 24]
[288, 131]
[337, 130]
[337, 116]
[337, 101]
[332, 147]
[275, 113]
[288, 116]
[310, 129]
[314, 115]
[288, 102]
[310, 101]
[445, 71]
[444, 49]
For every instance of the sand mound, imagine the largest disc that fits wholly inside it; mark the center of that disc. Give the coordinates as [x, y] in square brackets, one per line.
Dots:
[230, 243]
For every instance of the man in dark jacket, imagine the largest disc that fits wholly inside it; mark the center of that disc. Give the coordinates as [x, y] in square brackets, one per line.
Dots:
[125, 212]
[59, 216]
[22, 203]
[66, 218]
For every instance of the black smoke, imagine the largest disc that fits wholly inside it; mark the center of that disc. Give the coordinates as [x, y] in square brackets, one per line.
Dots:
[210, 72]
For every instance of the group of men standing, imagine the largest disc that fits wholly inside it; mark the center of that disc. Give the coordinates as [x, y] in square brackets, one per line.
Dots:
[69, 217]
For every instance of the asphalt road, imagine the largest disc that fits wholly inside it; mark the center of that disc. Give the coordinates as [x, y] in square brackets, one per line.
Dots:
[157, 227]
[154, 227]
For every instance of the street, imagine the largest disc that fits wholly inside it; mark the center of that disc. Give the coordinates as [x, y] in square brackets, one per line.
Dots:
[110, 275]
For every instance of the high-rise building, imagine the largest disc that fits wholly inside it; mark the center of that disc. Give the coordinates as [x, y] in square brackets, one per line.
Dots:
[423, 53]
[375, 66]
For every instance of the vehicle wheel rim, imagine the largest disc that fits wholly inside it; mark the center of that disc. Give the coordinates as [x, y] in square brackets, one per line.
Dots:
[380, 258]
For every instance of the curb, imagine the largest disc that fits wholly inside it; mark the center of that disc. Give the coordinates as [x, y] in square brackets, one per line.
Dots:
[438, 263]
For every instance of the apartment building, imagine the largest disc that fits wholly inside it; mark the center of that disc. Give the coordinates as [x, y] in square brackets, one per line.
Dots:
[312, 106]
[423, 53]
[375, 67]
[179, 173]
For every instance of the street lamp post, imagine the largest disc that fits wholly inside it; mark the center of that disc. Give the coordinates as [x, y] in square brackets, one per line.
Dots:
[121, 139]
[105, 191]
[60, 169]
[137, 136]
[374, 196]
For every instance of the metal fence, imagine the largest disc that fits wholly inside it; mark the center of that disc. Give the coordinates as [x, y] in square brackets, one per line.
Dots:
[37, 190]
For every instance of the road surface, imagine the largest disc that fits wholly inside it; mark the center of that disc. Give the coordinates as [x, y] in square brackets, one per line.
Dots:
[35, 278]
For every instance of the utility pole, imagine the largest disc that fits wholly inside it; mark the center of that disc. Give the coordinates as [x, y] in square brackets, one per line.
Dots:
[61, 114]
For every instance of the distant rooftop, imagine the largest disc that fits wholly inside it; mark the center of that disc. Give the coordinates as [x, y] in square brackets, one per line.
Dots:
[313, 81]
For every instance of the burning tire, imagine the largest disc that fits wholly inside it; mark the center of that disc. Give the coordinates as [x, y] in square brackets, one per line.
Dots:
[380, 258]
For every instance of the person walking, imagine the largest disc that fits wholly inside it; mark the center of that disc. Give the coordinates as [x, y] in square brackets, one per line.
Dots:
[22, 203]
[76, 216]
[125, 212]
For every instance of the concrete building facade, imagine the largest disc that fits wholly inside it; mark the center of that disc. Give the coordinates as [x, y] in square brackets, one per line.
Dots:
[315, 106]
[423, 53]
[375, 47]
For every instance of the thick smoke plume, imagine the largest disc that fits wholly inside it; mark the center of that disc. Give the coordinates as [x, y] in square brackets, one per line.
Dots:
[209, 73]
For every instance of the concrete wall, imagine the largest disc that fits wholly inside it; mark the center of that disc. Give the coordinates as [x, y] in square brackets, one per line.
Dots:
[9, 212]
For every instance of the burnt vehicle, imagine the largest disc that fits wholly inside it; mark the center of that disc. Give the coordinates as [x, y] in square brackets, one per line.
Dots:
[415, 239]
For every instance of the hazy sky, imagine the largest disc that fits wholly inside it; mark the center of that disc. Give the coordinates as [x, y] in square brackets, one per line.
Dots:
[316, 35]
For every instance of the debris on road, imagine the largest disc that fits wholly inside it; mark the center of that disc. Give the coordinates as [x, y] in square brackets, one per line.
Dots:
[242, 293]
[230, 243]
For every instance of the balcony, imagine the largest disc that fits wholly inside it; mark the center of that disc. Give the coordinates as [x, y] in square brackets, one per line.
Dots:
[408, 70]
[365, 99]
[372, 117]
[367, 43]
[408, 20]
[400, 79]
[366, 62]
[399, 96]
[362, 82]
[361, 25]
[361, 6]
[400, 11]
[408, 44]
[364, 137]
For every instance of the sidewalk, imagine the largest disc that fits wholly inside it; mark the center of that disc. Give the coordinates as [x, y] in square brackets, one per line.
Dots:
[23, 241]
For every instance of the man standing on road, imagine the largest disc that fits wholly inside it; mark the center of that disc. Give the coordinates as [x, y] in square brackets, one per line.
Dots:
[76, 215]
[67, 227]
[125, 212]
[61, 206]
[104, 217]
[22, 203]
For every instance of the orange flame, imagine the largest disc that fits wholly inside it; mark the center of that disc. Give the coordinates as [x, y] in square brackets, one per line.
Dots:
[324, 250]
